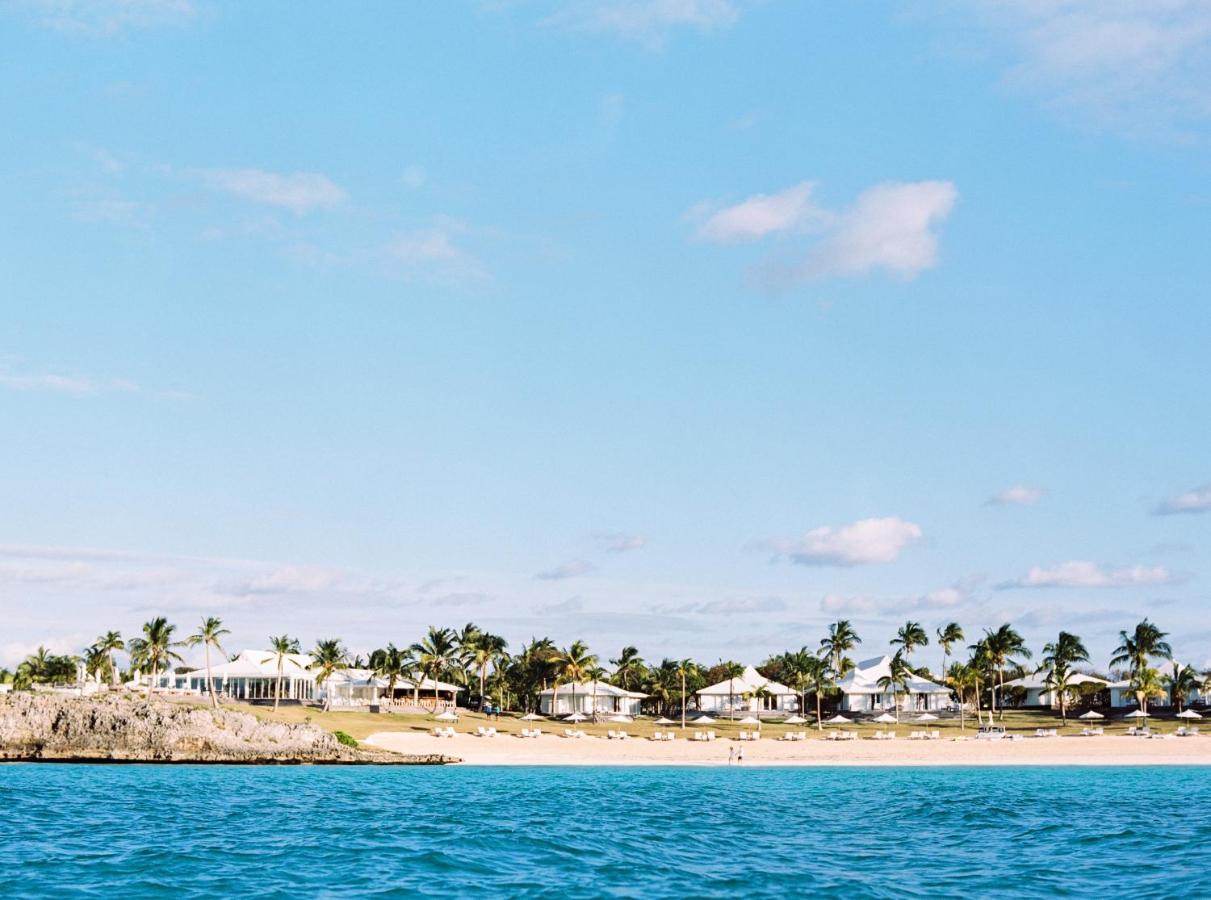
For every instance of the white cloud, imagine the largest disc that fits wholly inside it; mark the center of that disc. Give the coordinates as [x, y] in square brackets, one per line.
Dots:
[299, 192]
[434, 253]
[64, 384]
[572, 569]
[1142, 67]
[291, 580]
[1195, 501]
[620, 542]
[571, 606]
[946, 598]
[889, 228]
[730, 606]
[100, 18]
[1018, 495]
[865, 541]
[759, 215]
[1087, 574]
[644, 21]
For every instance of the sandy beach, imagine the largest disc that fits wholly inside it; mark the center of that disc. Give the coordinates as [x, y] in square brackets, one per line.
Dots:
[510, 750]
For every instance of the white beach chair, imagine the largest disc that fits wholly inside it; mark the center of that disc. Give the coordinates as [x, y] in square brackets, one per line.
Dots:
[450, 731]
[491, 732]
[437, 732]
[569, 733]
[935, 735]
[743, 736]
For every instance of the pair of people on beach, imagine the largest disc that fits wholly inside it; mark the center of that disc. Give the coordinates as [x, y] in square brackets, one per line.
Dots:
[735, 755]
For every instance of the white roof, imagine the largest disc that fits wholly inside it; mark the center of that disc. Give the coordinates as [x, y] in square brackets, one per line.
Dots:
[257, 664]
[603, 688]
[864, 679]
[745, 683]
[366, 677]
[1037, 681]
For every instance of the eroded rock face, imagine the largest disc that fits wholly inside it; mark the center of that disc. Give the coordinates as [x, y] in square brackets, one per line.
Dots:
[40, 726]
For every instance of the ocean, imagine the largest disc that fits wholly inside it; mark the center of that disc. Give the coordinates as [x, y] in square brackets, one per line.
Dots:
[219, 831]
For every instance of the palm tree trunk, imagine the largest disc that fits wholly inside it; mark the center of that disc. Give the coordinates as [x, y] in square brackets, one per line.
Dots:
[277, 688]
[214, 701]
[554, 699]
[819, 714]
[482, 672]
[731, 699]
[151, 684]
[113, 672]
[683, 701]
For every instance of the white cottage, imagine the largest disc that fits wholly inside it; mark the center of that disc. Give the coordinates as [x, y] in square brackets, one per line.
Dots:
[748, 692]
[589, 697]
[861, 691]
[354, 688]
[1038, 693]
[251, 675]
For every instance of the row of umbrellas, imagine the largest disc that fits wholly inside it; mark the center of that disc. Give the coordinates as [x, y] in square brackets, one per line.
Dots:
[885, 718]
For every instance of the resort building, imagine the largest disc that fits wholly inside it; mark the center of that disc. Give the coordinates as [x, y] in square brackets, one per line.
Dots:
[361, 689]
[749, 692]
[588, 698]
[251, 675]
[861, 690]
[1038, 693]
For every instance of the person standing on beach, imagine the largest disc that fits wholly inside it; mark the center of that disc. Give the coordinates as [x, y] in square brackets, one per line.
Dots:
[731, 755]
[740, 756]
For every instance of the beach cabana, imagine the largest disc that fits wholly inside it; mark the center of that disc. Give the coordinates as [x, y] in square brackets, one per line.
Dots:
[590, 698]
[748, 692]
[861, 691]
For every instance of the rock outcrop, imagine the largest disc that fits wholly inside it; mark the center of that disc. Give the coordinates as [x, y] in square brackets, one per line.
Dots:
[47, 727]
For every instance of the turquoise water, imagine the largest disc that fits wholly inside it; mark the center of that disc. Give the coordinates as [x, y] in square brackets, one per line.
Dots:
[215, 831]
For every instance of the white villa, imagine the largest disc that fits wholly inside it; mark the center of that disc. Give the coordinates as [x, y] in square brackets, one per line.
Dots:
[748, 692]
[1038, 694]
[362, 688]
[590, 697]
[861, 691]
[251, 675]
[1122, 695]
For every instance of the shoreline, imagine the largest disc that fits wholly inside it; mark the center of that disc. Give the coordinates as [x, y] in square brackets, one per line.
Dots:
[549, 750]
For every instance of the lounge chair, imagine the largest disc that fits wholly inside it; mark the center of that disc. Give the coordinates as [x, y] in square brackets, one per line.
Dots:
[437, 732]
[450, 731]
[743, 736]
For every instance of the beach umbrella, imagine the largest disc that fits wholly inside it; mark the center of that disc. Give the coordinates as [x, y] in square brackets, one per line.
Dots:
[704, 720]
[447, 716]
[530, 717]
[838, 719]
[926, 717]
[750, 720]
[620, 718]
[794, 720]
[575, 717]
[663, 721]
[1092, 714]
[885, 719]
[1136, 714]
[1188, 714]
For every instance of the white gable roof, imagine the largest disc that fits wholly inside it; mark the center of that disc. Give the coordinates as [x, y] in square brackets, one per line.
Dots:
[1038, 680]
[603, 689]
[747, 682]
[257, 664]
[864, 679]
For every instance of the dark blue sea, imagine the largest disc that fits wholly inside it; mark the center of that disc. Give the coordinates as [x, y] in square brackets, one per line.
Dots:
[218, 831]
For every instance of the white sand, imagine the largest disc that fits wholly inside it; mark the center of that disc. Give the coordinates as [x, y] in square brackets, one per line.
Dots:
[510, 750]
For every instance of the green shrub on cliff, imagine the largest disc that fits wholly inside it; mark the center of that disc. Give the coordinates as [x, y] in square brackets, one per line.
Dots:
[345, 739]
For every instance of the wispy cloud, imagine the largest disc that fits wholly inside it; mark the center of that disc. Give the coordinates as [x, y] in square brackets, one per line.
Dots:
[1087, 574]
[619, 541]
[647, 22]
[865, 541]
[101, 18]
[729, 606]
[1141, 67]
[1018, 495]
[77, 385]
[298, 192]
[434, 252]
[947, 598]
[571, 569]
[889, 228]
[1195, 501]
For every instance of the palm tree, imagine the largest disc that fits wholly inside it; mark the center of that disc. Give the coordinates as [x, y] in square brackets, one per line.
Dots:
[910, 636]
[840, 640]
[628, 666]
[685, 668]
[571, 664]
[485, 650]
[109, 643]
[595, 673]
[1135, 649]
[155, 648]
[328, 657]
[1182, 683]
[731, 671]
[282, 646]
[948, 635]
[898, 674]
[208, 635]
[1066, 650]
[1059, 682]
[391, 663]
[1001, 646]
[436, 653]
[962, 677]
[1147, 683]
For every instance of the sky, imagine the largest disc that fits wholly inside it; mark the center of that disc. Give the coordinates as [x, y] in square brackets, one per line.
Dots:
[688, 324]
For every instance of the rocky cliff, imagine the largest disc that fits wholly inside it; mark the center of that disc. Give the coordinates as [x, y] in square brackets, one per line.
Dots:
[46, 727]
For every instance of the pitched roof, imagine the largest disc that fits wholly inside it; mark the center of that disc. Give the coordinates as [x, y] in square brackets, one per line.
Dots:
[603, 688]
[1038, 680]
[746, 683]
[864, 679]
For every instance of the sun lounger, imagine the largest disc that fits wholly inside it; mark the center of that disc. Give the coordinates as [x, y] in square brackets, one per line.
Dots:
[450, 731]
[437, 732]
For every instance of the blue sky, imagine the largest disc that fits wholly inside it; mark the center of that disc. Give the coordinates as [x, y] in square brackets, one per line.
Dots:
[695, 324]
